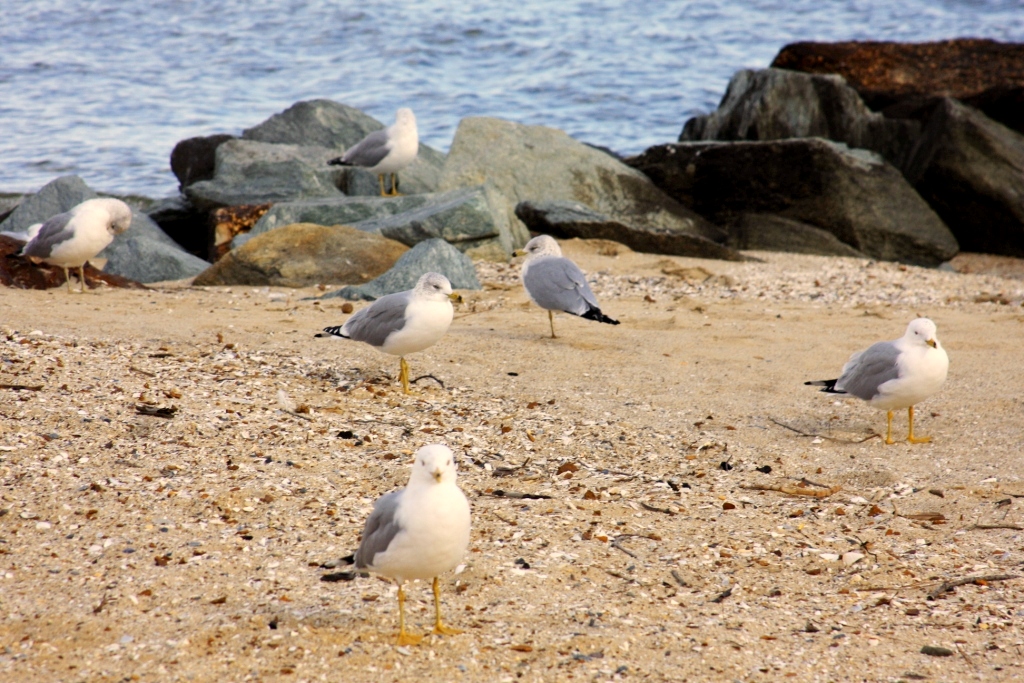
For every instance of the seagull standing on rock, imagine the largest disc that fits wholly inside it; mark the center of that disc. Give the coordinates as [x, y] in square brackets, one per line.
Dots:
[70, 239]
[555, 283]
[895, 374]
[403, 322]
[385, 152]
[418, 532]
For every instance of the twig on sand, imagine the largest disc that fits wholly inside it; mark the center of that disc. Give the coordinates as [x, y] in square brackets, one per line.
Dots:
[797, 490]
[982, 580]
[1015, 527]
[824, 436]
[652, 508]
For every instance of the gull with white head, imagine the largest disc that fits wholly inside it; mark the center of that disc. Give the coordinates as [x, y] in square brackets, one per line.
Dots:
[385, 152]
[896, 374]
[555, 283]
[403, 322]
[418, 532]
[70, 239]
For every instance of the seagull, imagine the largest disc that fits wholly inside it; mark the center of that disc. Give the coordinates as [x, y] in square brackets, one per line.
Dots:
[555, 283]
[403, 322]
[386, 151]
[70, 239]
[418, 532]
[895, 374]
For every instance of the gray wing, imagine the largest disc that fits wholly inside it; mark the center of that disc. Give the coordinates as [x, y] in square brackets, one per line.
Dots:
[54, 231]
[381, 527]
[870, 369]
[369, 151]
[374, 323]
[558, 284]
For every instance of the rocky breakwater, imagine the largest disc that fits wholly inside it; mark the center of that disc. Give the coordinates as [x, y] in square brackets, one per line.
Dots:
[474, 199]
[927, 175]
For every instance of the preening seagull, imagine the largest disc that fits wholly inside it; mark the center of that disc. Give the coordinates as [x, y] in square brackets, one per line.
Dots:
[70, 239]
[418, 532]
[387, 151]
[403, 322]
[555, 283]
[895, 374]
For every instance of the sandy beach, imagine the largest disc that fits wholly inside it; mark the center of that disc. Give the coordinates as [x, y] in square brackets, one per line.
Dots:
[143, 547]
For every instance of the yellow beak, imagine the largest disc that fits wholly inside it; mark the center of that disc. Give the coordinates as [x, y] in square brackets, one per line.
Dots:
[456, 297]
[519, 252]
[932, 343]
[437, 475]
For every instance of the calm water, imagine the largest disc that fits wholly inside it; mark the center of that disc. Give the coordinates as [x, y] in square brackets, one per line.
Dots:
[105, 89]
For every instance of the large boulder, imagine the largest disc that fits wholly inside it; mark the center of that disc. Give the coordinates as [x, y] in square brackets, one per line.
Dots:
[195, 159]
[250, 172]
[57, 196]
[306, 254]
[433, 255]
[471, 218]
[768, 232]
[853, 194]
[774, 104]
[143, 252]
[335, 126]
[890, 76]
[971, 170]
[535, 163]
[567, 220]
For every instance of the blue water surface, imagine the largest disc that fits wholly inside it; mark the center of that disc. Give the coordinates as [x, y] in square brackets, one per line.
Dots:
[105, 89]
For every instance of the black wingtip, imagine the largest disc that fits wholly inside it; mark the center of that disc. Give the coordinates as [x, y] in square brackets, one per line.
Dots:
[331, 332]
[339, 576]
[596, 314]
[338, 161]
[829, 384]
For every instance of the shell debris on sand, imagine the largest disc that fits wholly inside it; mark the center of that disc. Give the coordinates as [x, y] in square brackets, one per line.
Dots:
[191, 546]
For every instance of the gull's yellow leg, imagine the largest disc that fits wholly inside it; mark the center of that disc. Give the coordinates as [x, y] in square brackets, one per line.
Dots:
[67, 279]
[439, 627]
[403, 375]
[888, 431]
[403, 637]
[911, 438]
[380, 179]
[81, 276]
[394, 185]
[551, 319]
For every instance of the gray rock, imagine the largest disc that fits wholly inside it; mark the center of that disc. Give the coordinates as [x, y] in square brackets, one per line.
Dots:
[194, 159]
[335, 126]
[57, 196]
[971, 170]
[315, 123]
[471, 218]
[766, 232]
[570, 219]
[775, 104]
[433, 255]
[535, 163]
[853, 194]
[249, 172]
[305, 254]
[142, 252]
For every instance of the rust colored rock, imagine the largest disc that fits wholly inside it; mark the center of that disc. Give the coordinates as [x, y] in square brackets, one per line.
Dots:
[229, 221]
[304, 254]
[904, 77]
[21, 273]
